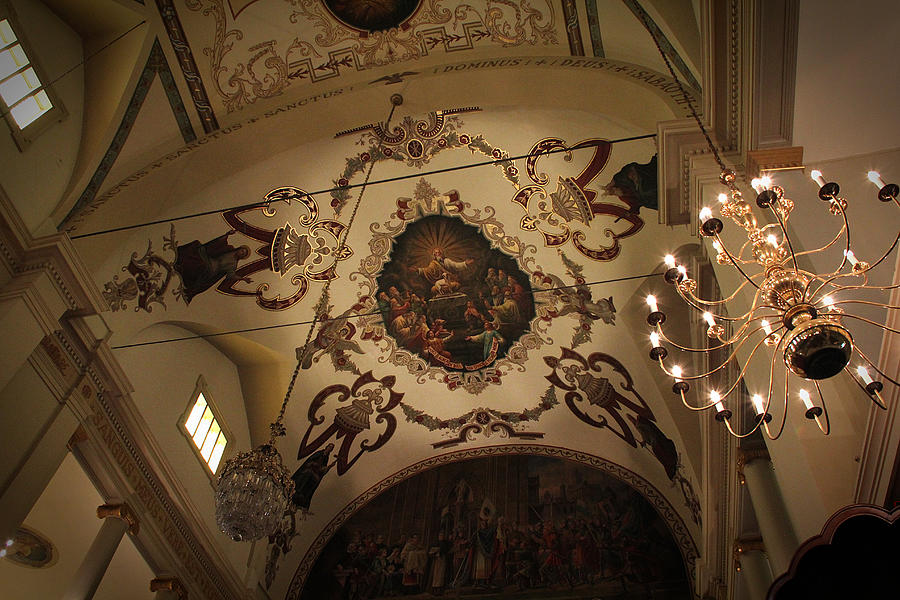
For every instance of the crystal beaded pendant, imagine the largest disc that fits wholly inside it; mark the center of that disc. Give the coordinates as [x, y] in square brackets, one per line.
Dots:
[253, 492]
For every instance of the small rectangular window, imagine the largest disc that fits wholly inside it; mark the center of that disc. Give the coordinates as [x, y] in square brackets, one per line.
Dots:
[20, 87]
[24, 95]
[204, 429]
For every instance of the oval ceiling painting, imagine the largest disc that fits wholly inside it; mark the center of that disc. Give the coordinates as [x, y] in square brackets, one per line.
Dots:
[449, 297]
[514, 526]
[372, 15]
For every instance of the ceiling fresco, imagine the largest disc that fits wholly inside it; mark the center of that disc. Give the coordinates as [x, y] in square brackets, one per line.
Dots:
[534, 524]
[470, 273]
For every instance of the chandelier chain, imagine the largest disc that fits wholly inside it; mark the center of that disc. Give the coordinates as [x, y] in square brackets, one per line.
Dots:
[687, 100]
[277, 427]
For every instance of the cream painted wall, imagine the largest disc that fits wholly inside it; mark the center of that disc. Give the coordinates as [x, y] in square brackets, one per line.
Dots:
[848, 78]
[36, 178]
[66, 515]
[164, 379]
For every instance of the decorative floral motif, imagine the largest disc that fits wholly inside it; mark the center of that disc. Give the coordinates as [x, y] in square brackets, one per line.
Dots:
[416, 142]
[463, 428]
[556, 215]
[366, 397]
[302, 256]
[267, 70]
[585, 390]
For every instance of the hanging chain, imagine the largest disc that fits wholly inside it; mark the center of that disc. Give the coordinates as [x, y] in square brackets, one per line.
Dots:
[727, 174]
[277, 427]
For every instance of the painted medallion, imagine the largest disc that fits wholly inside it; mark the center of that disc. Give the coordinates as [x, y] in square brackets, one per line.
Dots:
[372, 15]
[449, 297]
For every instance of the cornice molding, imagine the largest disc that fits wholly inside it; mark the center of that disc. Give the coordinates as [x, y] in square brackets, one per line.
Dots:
[882, 439]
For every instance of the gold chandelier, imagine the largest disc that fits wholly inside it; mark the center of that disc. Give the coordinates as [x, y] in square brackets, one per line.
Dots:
[797, 314]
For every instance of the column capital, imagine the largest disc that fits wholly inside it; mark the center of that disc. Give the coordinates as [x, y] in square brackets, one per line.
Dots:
[168, 584]
[746, 456]
[120, 511]
[745, 544]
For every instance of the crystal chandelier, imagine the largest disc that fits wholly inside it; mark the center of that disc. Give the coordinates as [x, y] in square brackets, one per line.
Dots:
[798, 314]
[254, 490]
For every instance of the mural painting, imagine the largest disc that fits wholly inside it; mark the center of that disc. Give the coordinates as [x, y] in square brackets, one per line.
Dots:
[517, 526]
[372, 15]
[450, 298]
[31, 549]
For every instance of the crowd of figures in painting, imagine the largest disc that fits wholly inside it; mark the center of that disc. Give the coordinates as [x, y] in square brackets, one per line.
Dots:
[523, 526]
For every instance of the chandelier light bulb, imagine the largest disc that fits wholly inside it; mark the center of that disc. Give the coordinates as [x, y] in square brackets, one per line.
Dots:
[807, 402]
[757, 184]
[654, 340]
[772, 239]
[723, 198]
[828, 301]
[651, 302]
[875, 178]
[670, 261]
[816, 176]
[766, 326]
[710, 319]
[682, 270]
[717, 246]
[676, 373]
[758, 404]
[11, 542]
[716, 399]
[705, 214]
[2, 553]
[864, 374]
[851, 257]
[766, 181]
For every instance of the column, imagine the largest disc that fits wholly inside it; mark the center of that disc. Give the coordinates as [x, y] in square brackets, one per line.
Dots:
[751, 562]
[117, 519]
[168, 588]
[757, 473]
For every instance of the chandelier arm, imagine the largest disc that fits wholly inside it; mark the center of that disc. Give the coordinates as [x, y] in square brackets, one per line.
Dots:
[741, 436]
[734, 262]
[769, 397]
[834, 241]
[690, 298]
[874, 366]
[837, 272]
[787, 238]
[863, 388]
[844, 288]
[738, 334]
[869, 302]
[827, 429]
[692, 407]
[724, 363]
[871, 322]
[744, 369]
[716, 302]
[880, 260]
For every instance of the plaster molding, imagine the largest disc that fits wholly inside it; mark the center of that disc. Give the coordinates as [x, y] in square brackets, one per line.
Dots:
[882, 437]
[773, 57]
[123, 461]
[54, 255]
[123, 512]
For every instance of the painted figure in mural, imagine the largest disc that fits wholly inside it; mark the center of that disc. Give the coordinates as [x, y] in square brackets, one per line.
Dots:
[486, 338]
[307, 477]
[662, 447]
[440, 555]
[636, 185]
[202, 266]
[440, 272]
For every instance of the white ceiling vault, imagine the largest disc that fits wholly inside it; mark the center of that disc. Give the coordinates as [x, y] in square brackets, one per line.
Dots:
[241, 167]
